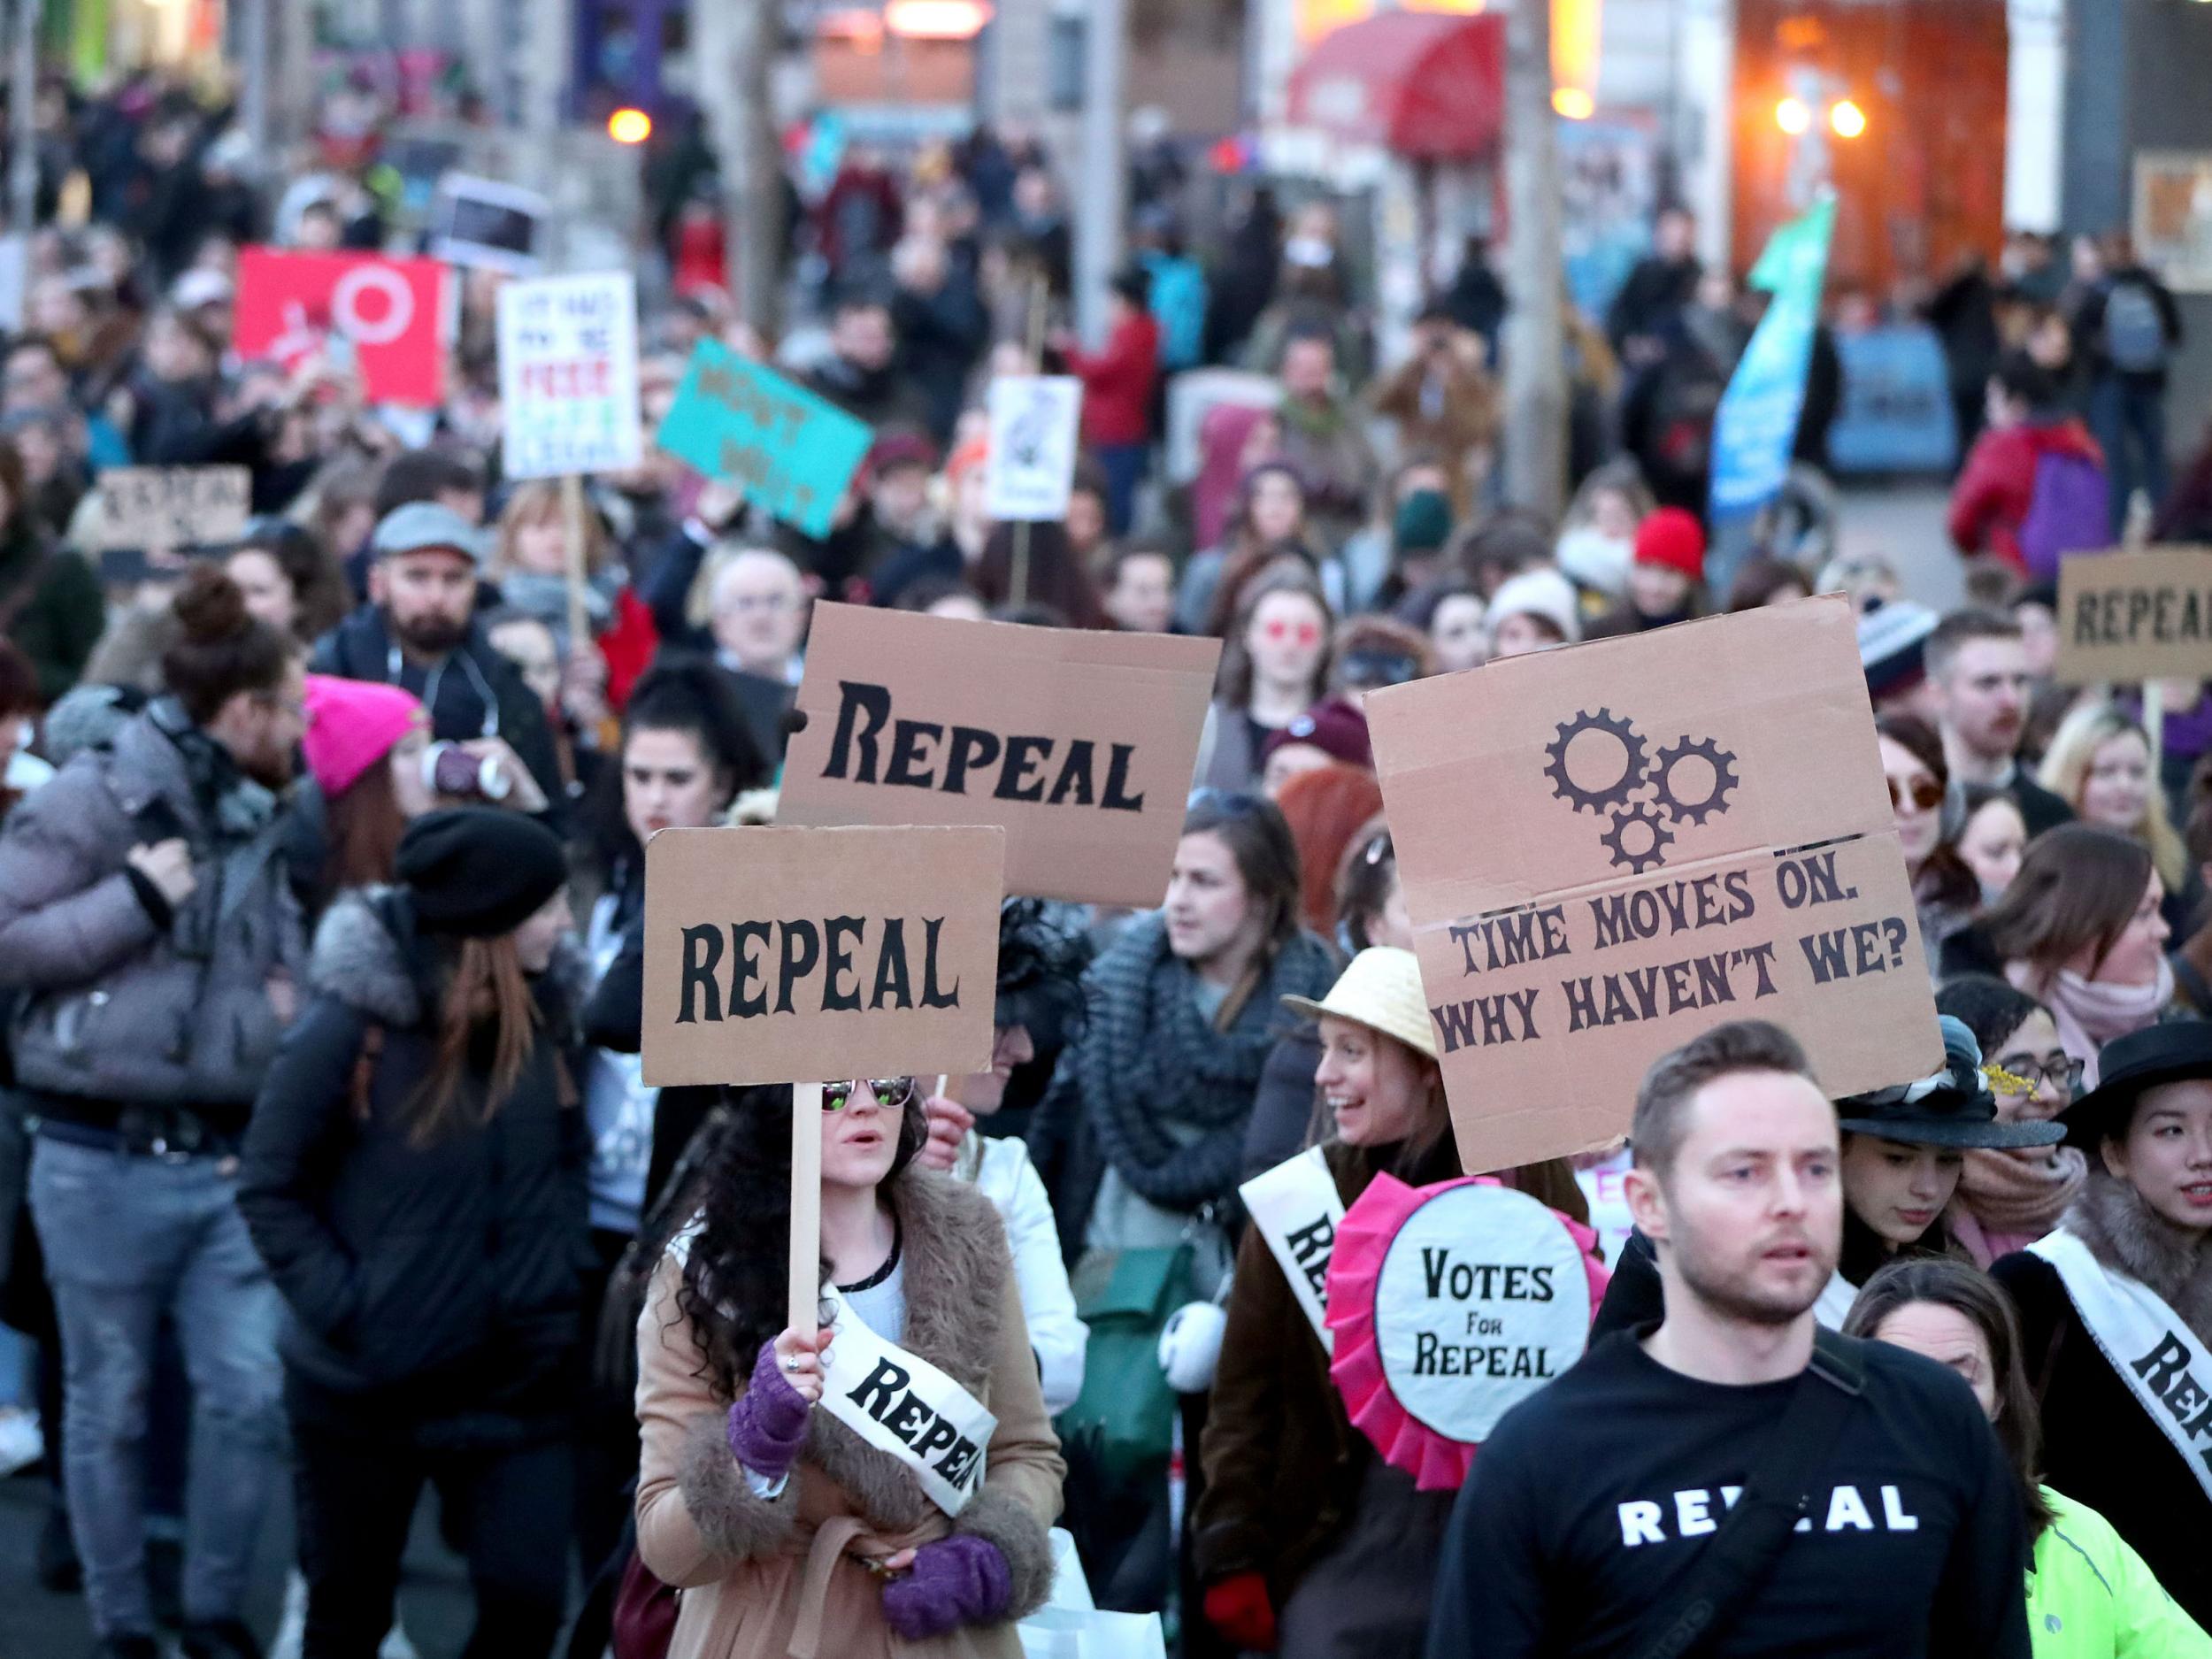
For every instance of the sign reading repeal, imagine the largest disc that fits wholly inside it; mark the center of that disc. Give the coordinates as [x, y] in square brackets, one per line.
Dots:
[1081, 744]
[389, 311]
[2135, 616]
[776, 954]
[568, 374]
[1609, 848]
[162, 509]
[790, 451]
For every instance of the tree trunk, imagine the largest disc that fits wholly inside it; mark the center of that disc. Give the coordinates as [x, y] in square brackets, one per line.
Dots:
[1534, 347]
[1102, 193]
[758, 174]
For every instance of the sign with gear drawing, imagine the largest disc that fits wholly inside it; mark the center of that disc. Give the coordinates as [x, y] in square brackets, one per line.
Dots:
[1609, 847]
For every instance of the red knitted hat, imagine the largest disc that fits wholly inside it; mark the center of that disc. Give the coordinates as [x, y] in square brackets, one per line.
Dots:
[1674, 539]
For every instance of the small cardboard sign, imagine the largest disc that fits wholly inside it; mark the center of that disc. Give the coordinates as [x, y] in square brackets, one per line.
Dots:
[2135, 616]
[796, 954]
[488, 223]
[166, 509]
[1081, 743]
[1609, 848]
[1031, 461]
[568, 387]
[791, 452]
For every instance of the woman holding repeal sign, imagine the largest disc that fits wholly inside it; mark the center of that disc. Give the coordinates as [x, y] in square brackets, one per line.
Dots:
[887, 1482]
[1307, 1542]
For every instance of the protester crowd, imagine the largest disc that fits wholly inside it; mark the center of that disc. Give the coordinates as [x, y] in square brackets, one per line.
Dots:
[321, 940]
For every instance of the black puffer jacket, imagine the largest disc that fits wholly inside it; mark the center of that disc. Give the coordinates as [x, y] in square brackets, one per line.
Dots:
[435, 1288]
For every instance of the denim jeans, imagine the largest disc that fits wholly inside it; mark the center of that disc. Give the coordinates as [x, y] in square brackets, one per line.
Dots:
[129, 1240]
[2129, 422]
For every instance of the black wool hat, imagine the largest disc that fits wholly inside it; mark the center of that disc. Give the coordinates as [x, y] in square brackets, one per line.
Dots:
[2170, 1052]
[477, 873]
[1950, 1107]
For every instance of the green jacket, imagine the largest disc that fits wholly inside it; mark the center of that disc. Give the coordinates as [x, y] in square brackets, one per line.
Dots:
[58, 621]
[2091, 1597]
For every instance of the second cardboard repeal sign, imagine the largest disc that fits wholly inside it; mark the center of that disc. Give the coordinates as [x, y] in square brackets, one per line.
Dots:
[1609, 848]
[2135, 616]
[1081, 744]
[793, 956]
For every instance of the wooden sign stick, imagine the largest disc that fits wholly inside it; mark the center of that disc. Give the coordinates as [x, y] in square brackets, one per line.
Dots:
[806, 1208]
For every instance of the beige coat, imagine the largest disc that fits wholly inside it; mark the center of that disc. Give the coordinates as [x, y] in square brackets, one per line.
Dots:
[781, 1578]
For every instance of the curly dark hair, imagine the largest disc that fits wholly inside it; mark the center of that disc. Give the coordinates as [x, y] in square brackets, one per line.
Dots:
[1040, 973]
[682, 691]
[734, 1291]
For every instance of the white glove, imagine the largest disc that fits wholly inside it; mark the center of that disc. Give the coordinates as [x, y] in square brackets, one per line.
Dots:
[1190, 1347]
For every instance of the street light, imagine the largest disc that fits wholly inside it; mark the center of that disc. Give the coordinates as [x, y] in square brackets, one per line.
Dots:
[629, 126]
[1847, 118]
[1574, 103]
[1794, 117]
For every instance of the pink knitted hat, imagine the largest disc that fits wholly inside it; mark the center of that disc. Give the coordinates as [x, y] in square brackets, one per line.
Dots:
[352, 725]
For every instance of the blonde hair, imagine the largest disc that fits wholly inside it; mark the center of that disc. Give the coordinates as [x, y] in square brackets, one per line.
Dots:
[2086, 728]
[533, 502]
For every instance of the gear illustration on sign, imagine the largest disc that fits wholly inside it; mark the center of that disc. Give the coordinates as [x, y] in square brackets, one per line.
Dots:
[1635, 761]
[1638, 859]
[1725, 780]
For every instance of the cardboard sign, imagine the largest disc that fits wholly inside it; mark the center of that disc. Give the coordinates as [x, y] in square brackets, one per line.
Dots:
[483, 222]
[389, 313]
[1611, 848]
[2135, 616]
[568, 389]
[791, 452]
[1031, 461]
[165, 509]
[1451, 1304]
[1080, 743]
[795, 954]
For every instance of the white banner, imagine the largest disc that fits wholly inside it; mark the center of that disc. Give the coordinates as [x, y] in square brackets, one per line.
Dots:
[568, 374]
[901, 1404]
[1296, 1209]
[1031, 457]
[2145, 1341]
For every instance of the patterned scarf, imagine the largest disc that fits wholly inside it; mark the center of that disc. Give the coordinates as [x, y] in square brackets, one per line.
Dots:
[1151, 1063]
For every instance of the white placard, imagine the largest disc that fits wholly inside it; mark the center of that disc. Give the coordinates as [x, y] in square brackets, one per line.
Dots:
[1482, 1299]
[568, 374]
[901, 1404]
[1032, 459]
[1296, 1209]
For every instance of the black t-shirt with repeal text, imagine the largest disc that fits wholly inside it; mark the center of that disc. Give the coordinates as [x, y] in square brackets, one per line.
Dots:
[1591, 1499]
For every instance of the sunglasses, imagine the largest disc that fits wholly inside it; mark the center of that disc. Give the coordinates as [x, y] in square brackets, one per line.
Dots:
[1927, 794]
[2025, 1077]
[1304, 632]
[1378, 668]
[892, 1092]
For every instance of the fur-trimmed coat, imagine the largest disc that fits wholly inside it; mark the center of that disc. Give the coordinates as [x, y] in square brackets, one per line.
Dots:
[767, 1578]
[437, 1289]
[2100, 1448]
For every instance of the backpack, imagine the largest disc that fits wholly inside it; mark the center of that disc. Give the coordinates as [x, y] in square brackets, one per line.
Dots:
[2135, 329]
[2069, 512]
[1686, 405]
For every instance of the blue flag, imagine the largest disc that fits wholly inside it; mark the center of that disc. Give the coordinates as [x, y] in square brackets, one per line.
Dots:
[1756, 426]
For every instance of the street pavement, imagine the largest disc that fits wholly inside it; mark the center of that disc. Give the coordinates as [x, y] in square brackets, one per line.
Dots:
[1903, 523]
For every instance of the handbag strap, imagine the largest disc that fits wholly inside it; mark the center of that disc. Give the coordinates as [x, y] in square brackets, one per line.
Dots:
[1742, 1552]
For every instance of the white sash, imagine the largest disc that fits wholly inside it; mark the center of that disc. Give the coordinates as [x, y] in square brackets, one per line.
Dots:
[903, 1405]
[1296, 1209]
[2160, 1360]
[1836, 1298]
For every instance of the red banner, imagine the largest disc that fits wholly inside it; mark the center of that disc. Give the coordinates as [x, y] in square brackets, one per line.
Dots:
[390, 313]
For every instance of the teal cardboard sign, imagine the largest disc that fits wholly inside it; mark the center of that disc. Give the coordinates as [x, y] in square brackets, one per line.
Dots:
[790, 451]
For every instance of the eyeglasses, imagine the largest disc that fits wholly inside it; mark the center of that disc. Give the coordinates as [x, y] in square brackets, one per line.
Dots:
[892, 1092]
[1304, 632]
[2024, 1077]
[1376, 668]
[1927, 794]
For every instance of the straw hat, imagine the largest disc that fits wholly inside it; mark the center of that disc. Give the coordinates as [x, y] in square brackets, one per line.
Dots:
[1382, 991]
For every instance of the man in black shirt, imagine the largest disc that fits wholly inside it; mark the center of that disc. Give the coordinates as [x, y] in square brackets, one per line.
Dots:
[1594, 1500]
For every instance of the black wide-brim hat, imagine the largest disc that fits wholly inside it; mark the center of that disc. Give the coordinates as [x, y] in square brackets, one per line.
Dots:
[1950, 1107]
[2126, 1066]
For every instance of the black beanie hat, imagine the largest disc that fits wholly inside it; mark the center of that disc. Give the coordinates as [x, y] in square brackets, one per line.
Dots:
[476, 873]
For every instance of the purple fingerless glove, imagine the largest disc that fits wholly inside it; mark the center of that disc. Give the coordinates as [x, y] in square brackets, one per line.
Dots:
[956, 1581]
[767, 1424]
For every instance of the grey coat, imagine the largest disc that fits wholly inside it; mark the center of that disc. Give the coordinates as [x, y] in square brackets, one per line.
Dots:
[120, 1009]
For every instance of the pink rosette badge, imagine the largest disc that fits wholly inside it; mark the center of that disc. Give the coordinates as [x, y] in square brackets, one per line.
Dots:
[1450, 1304]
